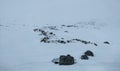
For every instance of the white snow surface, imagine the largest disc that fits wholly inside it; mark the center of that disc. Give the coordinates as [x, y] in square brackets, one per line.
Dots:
[20, 46]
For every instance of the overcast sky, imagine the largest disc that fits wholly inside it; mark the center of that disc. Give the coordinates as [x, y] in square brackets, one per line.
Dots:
[59, 11]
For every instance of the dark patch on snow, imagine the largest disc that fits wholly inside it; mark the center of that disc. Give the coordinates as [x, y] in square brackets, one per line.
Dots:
[64, 60]
[51, 27]
[48, 39]
[106, 42]
[66, 31]
[55, 60]
[95, 44]
[84, 57]
[89, 53]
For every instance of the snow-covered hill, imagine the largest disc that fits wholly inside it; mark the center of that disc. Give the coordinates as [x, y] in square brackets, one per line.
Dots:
[96, 21]
[21, 49]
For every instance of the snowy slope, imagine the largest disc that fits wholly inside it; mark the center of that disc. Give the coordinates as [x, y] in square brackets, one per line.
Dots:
[21, 50]
[20, 46]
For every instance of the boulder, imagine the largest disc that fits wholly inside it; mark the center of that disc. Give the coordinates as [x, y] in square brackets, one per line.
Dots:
[66, 60]
[89, 53]
[95, 44]
[84, 57]
[106, 42]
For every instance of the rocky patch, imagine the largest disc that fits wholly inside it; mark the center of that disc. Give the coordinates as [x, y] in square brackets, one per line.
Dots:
[48, 38]
[84, 57]
[64, 60]
[106, 42]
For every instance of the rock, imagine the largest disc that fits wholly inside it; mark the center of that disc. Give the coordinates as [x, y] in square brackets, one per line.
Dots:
[36, 30]
[72, 26]
[62, 60]
[55, 60]
[85, 42]
[45, 39]
[95, 44]
[51, 33]
[66, 31]
[63, 25]
[106, 42]
[61, 41]
[52, 27]
[78, 40]
[84, 57]
[62, 38]
[44, 33]
[40, 30]
[68, 41]
[89, 53]
[66, 60]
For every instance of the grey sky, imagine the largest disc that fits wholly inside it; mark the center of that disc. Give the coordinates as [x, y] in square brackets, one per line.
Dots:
[59, 11]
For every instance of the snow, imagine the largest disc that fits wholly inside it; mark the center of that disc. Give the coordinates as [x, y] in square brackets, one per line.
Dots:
[20, 46]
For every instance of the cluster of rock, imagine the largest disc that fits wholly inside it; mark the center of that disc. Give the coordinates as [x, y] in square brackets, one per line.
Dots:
[64, 60]
[47, 38]
[43, 32]
[87, 54]
[51, 27]
[70, 60]
[69, 25]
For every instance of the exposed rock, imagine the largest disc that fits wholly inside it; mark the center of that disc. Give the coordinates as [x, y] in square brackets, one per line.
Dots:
[36, 30]
[69, 41]
[71, 26]
[66, 31]
[63, 25]
[52, 27]
[61, 41]
[62, 38]
[84, 57]
[49, 35]
[55, 60]
[44, 33]
[66, 60]
[89, 53]
[77, 39]
[45, 39]
[95, 44]
[106, 42]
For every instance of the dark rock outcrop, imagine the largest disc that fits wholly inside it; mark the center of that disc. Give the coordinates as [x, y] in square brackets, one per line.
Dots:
[84, 57]
[45, 39]
[66, 60]
[106, 42]
[50, 37]
[95, 44]
[89, 53]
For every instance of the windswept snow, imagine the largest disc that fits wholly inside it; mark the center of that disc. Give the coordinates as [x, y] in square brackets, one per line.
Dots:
[96, 21]
[21, 50]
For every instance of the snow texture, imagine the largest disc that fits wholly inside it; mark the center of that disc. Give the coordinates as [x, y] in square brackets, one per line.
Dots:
[97, 21]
